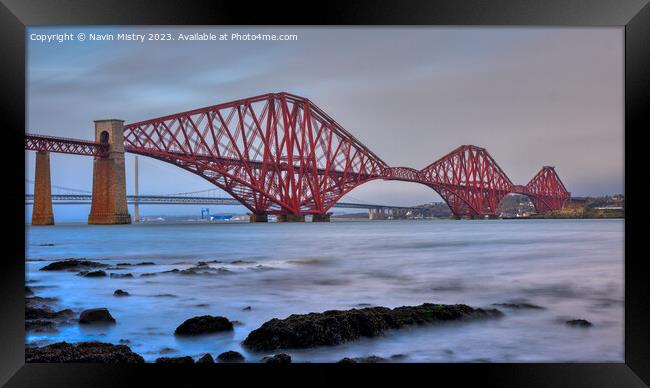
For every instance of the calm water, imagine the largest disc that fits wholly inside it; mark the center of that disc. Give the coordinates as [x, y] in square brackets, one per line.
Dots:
[573, 268]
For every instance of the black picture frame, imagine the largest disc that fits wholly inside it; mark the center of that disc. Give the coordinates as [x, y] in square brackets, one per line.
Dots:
[15, 15]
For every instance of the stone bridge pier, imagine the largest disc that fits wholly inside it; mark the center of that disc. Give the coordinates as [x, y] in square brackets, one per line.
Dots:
[42, 213]
[109, 176]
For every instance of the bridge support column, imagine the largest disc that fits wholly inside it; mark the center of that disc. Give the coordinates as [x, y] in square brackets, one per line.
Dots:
[321, 217]
[109, 181]
[291, 217]
[42, 213]
[258, 218]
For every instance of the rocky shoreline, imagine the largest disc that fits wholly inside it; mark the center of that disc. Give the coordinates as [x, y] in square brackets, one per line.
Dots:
[297, 331]
[339, 326]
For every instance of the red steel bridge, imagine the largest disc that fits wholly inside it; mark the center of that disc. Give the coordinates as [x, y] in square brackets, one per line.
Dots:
[278, 153]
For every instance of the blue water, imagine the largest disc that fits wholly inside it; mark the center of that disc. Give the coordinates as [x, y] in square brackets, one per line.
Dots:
[573, 268]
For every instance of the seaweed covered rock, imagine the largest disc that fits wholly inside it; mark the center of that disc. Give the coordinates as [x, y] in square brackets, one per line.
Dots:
[230, 356]
[121, 275]
[339, 326]
[519, 305]
[120, 292]
[206, 359]
[280, 358]
[203, 325]
[579, 323]
[93, 274]
[72, 265]
[40, 316]
[98, 315]
[91, 351]
[175, 360]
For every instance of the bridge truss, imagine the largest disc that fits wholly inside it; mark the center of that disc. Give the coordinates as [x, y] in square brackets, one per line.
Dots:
[279, 153]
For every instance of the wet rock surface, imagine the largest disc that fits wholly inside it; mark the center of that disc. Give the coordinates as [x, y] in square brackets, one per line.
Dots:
[230, 356]
[175, 360]
[120, 293]
[281, 358]
[41, 316]
[371, 359]
[91, 351]
[97, 315]
[121, 275]
[579, 323]
[339, 326]
[206, 359]
[203, 325]
[521, 305]
[72, 265]
[93, 274]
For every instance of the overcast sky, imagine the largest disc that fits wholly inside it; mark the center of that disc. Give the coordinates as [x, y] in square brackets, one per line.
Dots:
[531, 96]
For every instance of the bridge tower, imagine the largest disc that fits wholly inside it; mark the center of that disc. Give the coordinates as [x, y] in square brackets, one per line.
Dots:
[109, 177]
[42, 211]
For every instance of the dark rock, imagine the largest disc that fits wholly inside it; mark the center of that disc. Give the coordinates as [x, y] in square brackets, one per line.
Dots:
[522, 305]
[166, 350]
[96, 315]
[230, 356]
[91, 351]
[579, 323]
[124, 341]
[28, 291]
[347, 360]
[123, 264]
[45, 313]
[280, 358]
[398, 356]
[121, 275]
[203, 325]
[247, 308]
[120, 293]
[94, 274]
[46, 245]
[40, 325]
[172, 270]
[164, 296]
[147, 274]
[206, 359]
[370, 359]
[242, 262]
[39, 315]
[72, 264]
[335, 327]
[175, 360]
[146, 263]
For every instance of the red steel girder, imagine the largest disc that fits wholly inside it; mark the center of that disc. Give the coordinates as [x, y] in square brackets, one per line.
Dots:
[546, 190]
[64, 145]
[278, 153]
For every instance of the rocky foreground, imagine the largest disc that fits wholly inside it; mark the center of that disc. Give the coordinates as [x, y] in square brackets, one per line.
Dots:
[83, 352]
[311, 330]
[336, 326]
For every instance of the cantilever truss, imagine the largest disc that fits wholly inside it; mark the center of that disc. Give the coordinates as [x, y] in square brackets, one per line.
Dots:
[279, 153]
[275, 153]
[64, 145]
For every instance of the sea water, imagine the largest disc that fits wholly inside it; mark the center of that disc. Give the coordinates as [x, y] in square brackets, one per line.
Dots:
[573, 269]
